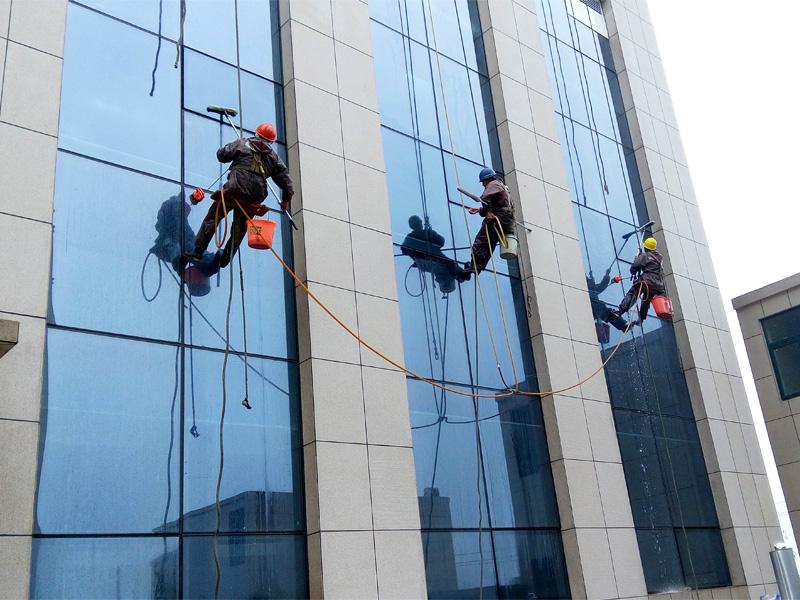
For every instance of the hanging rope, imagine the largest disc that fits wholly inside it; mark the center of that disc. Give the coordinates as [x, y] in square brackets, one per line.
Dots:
[179, 43]
[141, 278]
[246, 401]
[158, 49]
[218, 519]
[227, 319]
[458, 177]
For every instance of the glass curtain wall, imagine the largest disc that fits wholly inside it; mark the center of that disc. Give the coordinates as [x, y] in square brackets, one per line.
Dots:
[486, 498]
[129, 447]
[673, 509]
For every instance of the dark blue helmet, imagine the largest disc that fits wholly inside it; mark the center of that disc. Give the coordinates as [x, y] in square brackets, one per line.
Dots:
[487, 173]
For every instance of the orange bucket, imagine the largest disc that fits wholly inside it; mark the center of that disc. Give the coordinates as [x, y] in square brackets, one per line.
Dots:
[663, 307]
[260, 233]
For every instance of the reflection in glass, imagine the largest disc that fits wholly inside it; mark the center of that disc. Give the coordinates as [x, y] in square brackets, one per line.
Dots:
[109, 449]
[102, 568]
[530, 564]
[106, 111]
[100, 280]
[452, 565]
[130, 409]
[665, 472]
[144, 14]
[262, 446]
[252, 567]
[446, 326]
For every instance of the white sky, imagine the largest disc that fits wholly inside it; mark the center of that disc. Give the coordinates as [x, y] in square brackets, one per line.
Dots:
[733, 72]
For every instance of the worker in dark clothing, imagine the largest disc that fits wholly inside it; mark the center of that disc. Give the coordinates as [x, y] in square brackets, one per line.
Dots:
[648, 280]
[252, 161]
[600, 310]
[497, 213]
[424, 245]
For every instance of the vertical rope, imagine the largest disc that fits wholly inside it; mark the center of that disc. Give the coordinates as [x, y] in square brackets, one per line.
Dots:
[158, 49]
[217, 563]
[238, 67]
[246, 401]
[227, 339]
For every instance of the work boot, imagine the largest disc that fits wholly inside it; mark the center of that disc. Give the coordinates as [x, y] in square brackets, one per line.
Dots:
[246, 404]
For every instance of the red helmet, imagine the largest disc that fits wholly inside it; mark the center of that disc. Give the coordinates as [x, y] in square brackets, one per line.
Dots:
[267, 131]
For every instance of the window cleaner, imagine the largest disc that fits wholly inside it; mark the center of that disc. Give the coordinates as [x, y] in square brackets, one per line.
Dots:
[253, 161]
[648, 281]
[498, 220]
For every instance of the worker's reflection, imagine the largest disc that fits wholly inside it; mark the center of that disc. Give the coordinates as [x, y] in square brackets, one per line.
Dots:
[600, 311]
[424, 245]
[172, 222]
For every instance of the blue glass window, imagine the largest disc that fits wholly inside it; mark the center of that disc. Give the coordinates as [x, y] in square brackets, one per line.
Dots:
[106, 110]
[110, 458]
[101, 568]
[129, 445]
[252, 567]
[503, 515]
[262, 446]
[673, 509]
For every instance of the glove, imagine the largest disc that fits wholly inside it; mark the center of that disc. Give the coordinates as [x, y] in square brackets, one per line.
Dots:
[285, 205]
[261, 210]
[474, 211]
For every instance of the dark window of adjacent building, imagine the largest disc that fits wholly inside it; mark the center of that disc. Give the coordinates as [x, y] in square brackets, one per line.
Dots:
[782, 334]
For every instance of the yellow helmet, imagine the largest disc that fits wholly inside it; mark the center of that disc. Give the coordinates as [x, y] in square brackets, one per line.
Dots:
[650, 244]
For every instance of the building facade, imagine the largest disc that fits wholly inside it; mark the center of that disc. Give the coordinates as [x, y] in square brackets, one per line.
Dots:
[531, 445]
[770, 321]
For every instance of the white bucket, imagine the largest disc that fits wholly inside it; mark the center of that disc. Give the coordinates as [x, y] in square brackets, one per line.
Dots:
[509, 251]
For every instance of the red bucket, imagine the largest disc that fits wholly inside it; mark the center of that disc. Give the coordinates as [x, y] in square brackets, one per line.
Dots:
[260, 234]
[197, 283]
[663, 307]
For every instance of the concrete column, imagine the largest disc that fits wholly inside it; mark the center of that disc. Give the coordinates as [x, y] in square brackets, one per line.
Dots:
[738, 478]
[361, 498]
[30, 71]
[597, 526]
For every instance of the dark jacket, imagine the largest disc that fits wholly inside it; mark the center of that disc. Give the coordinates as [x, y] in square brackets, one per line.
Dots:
[423, 242]
[647, 265]
[252, 162]
[495, 199]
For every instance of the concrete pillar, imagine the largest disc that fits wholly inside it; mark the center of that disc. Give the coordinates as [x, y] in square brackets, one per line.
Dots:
[361, 498]
[597, 525]
[736, 469]
[30, 71]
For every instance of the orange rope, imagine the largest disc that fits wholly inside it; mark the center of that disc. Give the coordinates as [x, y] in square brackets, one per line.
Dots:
[419, 377]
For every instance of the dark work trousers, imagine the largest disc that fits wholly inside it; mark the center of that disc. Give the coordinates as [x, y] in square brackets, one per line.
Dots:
[601, 312]
[648, 287]
[488, 238]
[236, 233]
